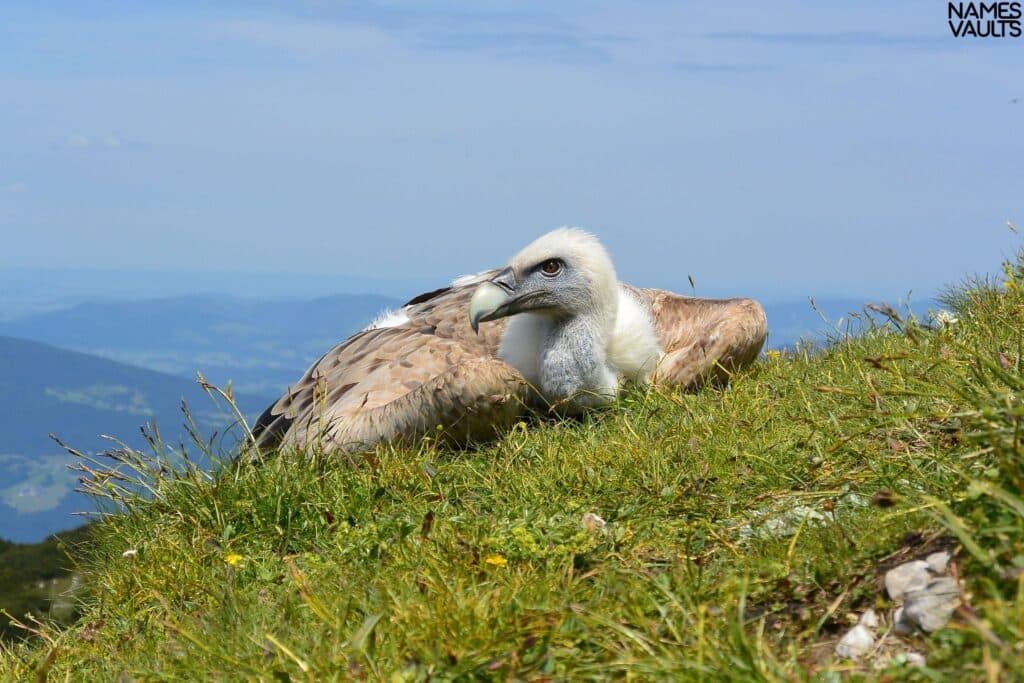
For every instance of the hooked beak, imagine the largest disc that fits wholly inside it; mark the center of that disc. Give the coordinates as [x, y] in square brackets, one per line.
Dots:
[493, 299]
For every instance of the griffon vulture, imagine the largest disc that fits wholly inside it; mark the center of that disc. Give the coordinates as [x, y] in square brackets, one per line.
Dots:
[554, 329]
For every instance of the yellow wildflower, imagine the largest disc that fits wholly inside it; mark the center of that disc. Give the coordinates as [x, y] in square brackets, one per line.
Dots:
[496, 560]
[772, 354]
[234, 559]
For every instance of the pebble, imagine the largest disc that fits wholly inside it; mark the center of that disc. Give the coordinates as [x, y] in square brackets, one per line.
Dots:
[926, 596]
[900, 625]
[931, 607]
[869, 619]
[938, 562]
[906, 577]
[858, 640]
[914, 659]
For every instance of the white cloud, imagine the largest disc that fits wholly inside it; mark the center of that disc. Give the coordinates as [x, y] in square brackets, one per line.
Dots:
[77, 141]
[369, 31]
[307, 37]
[82, 141]
[16, 188]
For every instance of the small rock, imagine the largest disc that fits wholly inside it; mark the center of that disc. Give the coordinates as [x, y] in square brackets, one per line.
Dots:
[931, 607]
[938, 562]
[914, 659]
[592, 522]
[859, 639]
[900, 625]
[906, 577]
[856, 642]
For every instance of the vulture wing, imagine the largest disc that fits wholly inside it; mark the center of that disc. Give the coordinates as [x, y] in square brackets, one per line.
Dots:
[402, 382]
[704, 338]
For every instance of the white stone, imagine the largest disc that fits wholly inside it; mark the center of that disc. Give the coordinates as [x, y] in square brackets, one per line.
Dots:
[900, 625]
[938, 562]
[869, 619]
[856, 642]
[906, 577]
[931, 607]
[915, 659]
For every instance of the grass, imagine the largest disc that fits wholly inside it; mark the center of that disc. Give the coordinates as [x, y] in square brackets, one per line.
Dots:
[36, 578]
[746, 527]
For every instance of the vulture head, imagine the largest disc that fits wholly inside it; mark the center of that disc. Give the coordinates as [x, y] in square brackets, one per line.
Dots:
[574, 333]
[561, 275]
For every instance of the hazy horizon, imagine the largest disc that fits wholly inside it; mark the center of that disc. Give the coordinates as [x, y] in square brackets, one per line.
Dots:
[84, 284]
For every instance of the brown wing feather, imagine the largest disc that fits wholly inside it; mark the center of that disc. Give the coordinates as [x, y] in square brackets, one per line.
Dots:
[703, 338]
[403, 381]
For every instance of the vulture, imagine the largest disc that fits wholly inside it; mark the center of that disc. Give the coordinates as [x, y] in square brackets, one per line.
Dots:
[552, 330]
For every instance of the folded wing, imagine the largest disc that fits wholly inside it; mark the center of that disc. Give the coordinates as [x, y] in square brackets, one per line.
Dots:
[402, 382]
[704, 339]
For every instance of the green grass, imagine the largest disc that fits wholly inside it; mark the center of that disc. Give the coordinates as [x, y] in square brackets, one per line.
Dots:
[36, 578]
[746, 527]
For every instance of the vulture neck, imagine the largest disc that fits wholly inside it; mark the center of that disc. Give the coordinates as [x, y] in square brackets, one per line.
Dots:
[574, 360]
[583, 357]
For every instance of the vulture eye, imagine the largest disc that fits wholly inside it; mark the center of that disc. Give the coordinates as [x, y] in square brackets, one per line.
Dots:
[551, 267]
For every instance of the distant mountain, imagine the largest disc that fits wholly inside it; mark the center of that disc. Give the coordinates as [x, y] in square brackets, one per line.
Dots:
[45, 389]
[34, 290]
[261, 345]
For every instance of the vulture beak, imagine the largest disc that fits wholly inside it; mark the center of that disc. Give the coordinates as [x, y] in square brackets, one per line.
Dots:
[493, 299]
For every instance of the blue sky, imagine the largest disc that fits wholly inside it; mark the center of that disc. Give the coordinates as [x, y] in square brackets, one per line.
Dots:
[773, 149]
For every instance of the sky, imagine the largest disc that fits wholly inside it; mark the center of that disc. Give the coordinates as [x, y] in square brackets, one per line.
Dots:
[769, 149]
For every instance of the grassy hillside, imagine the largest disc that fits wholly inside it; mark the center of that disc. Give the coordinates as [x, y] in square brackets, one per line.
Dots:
[39, 579]
[745, 529]
[45, 389]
